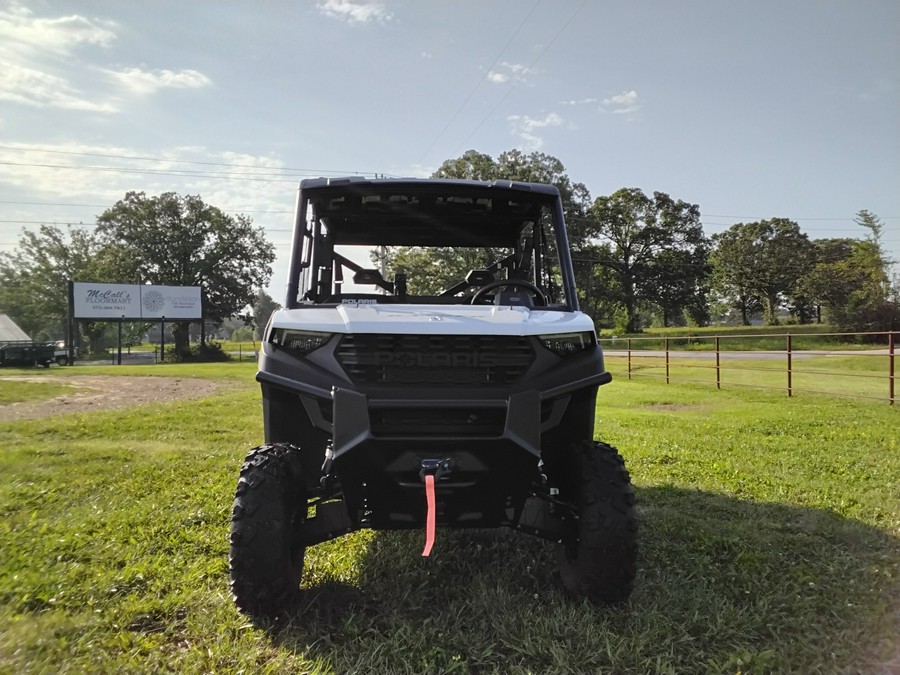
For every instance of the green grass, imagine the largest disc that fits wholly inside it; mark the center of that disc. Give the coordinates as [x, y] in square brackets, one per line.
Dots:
[214, 371]
[770, 542]
[18, 392]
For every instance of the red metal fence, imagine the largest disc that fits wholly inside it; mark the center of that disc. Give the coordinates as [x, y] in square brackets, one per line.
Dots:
[660, 357]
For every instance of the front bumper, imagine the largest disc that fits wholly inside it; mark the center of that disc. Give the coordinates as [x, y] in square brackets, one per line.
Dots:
[384, 437]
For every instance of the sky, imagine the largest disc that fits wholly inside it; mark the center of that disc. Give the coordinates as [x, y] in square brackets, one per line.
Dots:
[752, 110]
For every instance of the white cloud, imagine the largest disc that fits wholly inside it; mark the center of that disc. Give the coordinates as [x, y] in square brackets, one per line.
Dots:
[625, 102]
[507, 70]
[28, 86]
[145, 82]
[354, 11]
[427, 55]
[517, 69]
[580, 101]
[102, 174]
[71, 173]
[417, 170]
[36, 53]
[40, 64]
[527, 128]
[20, 29]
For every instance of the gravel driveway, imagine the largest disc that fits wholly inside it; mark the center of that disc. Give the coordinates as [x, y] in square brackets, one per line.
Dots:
[95, 392]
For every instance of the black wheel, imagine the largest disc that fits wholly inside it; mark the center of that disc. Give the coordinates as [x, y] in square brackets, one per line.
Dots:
[62, 360]
[269, 505]
[598, 562]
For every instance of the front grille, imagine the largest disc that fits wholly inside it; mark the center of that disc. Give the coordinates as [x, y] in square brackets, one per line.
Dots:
[443, 360]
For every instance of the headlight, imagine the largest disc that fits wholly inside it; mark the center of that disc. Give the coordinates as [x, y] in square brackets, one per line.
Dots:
[566, 344]
[302, 342]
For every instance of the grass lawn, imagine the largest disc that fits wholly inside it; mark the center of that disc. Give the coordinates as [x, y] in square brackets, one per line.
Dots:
[19, 391]
[770, 541]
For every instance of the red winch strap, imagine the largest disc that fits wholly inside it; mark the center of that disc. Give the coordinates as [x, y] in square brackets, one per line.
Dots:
[429, 518]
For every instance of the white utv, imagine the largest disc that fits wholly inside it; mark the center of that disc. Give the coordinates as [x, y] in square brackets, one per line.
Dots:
[470, 407]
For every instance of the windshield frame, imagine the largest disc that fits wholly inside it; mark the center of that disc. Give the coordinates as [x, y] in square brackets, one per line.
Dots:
[387, 212]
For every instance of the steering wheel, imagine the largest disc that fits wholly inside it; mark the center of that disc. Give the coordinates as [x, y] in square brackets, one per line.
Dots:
[538, 294]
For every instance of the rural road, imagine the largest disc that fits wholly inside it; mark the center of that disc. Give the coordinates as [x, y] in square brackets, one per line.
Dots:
[761, 355]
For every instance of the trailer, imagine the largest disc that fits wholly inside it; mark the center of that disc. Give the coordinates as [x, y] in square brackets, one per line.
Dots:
[26, 354]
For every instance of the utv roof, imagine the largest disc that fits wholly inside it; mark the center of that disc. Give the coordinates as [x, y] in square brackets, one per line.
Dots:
[425, 212]
[377, 184]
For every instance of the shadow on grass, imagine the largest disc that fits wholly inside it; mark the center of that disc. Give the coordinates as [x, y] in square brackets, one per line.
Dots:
[724, 585]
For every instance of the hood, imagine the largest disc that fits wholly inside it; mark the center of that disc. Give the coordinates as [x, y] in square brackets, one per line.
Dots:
[432, 319]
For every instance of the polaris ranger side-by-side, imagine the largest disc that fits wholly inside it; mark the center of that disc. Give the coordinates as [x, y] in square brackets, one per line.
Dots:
[391, 404]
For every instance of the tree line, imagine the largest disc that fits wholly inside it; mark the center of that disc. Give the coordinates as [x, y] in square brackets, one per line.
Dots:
[167, 239]
[640, 259]
[644, 259]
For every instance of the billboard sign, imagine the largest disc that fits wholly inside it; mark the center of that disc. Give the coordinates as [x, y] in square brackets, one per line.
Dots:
[170, 302]
[111, 302]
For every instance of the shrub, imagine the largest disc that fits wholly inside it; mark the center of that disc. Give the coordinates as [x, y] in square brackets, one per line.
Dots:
[204, 352]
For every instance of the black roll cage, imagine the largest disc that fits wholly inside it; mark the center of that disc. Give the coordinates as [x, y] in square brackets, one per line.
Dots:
[359, 205]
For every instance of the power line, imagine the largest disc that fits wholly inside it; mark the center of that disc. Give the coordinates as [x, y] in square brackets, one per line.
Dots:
[478, 84]
[80, 224]
[93, 206]
[314, 172]
[221, 175]
[531, 67]
[809, 228]
[719, 215]
[77, 221]
[848, 219]
[44, 222]
[106, 206]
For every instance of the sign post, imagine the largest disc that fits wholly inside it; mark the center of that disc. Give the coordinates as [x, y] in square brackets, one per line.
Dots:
[70, 324]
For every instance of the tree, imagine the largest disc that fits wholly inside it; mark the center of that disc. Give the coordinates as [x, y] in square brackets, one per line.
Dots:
[674, 281]
[850, 280]
[871, 222]
[597, 283]
[535, 167]
[181, 241]
[471, 165]
[826, 252]
[34, 275]
[34, 279]
[766, 259]
[263, 307]
[729, 285]
[433, 270]
[654, 242]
